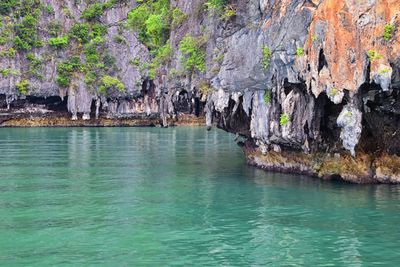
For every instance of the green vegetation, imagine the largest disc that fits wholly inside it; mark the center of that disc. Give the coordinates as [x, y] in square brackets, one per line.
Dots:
[373, 55]
[215, 6]
[300, 52]
[222, 8]
[135, 62]
[8, 72]
[228, 12]
[54, 28]
[22, 86]
[388, 32]
[178, 17]
[94, 11]
[333, 92]
[26, 33]
[151, 19]
[120, 39]
[7, 5]
[314, 38]
[66, 69]
[267, 97]
[59, 42]
[204, 87]
[284, 119]
[385, 70]
[9, 53]
[49, 9]
[163, 56]
[80, 32]
[267, 55]
[193, 54]
[35, 65]
[108, 82]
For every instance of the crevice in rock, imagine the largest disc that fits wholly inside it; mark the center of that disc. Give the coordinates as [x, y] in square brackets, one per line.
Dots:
[321, 60]
[288, 87]
[329, 130]
[381, 120]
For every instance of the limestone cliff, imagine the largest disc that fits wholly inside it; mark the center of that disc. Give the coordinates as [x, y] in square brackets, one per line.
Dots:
[312, 86]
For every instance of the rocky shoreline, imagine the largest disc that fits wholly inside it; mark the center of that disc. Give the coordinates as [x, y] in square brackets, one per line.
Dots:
[362, 169]
[64, 120]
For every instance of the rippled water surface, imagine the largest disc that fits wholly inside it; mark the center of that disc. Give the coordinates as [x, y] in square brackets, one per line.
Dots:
[181, 197]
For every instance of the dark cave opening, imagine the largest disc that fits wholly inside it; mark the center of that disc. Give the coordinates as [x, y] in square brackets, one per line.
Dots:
[53, 103]
[3, 102]
[183, 103]
[321, 60]
[328, 112]
[234, 121]
[197, 106]
[381, 119]
[288, 87]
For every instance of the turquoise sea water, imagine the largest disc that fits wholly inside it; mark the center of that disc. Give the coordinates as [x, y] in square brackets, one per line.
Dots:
[178, 197]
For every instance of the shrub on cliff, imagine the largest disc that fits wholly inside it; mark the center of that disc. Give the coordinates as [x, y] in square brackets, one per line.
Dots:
[22, 87]
[7, 5]
[178, 17]
[94, 11]
[151, 19]
[108, 82]
[26, 33]
[193, 54]
[80, 32]
[59, 42]
[65, 70]
[284, 119]
[388, 32]
[215, 6]
[266, 57]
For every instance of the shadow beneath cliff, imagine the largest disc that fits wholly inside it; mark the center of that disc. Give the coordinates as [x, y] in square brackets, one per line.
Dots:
[381, 119]
[51, 103]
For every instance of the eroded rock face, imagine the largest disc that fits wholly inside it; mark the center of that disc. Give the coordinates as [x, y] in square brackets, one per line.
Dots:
[316, 76]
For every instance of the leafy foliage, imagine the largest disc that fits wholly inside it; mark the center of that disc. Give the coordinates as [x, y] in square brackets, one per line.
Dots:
[215, 6]
[267, 55]
[26, 33]
[94, 11]
[59, 42]
[35, 65]
[373, 55]
[300, 52]
[151, 19]
[267, 97]
[228, 12]
[162, 56]
[80, 32]
[193, 55]
[284, 119]
[65, 70]
[22, 86]
[108, 82]
[178, 17]
[7, 5]
[388, 32]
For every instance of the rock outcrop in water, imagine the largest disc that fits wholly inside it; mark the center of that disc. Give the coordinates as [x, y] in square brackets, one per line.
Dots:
[311, 85]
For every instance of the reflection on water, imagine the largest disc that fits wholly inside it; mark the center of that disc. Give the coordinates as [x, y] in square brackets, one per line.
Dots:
[183, 196]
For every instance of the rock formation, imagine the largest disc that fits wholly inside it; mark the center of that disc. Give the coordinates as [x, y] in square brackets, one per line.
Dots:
[311, 85]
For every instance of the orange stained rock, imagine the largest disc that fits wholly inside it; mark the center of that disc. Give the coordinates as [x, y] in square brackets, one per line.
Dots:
[353, 27]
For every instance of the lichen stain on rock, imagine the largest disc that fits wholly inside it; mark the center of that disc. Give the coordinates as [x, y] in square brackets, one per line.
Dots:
[346, 31]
